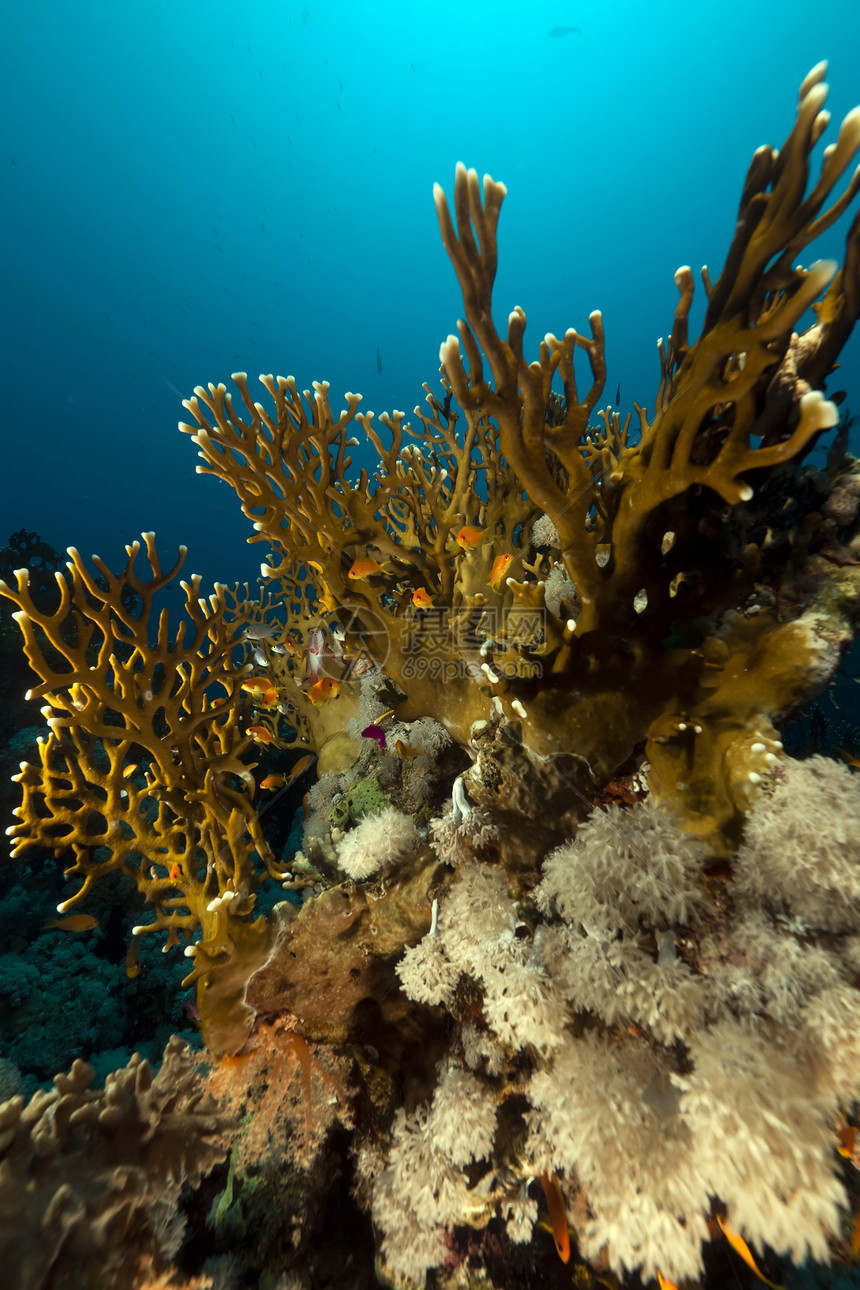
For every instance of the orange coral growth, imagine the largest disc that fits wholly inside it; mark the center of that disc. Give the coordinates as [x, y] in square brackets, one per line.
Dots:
[291, 1090]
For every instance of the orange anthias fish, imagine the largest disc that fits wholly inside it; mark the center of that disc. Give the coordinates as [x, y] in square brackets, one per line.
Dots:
[847, 1135]
[325, 688]
[468, 538]
[501, 564]
[174, 872]
[257, 685]
[300, 767]
[557, 1215]
[289, 645]
[421, 599]
[407, 751]
[261, 690]
[737, 1242]
[260, 733]
[273, 782]
[74, 923]
[366, 569]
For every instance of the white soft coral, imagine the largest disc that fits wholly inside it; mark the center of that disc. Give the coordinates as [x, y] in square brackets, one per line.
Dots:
[377, 842]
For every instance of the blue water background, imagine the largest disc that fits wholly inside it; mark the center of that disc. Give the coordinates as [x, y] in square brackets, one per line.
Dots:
[194, 189]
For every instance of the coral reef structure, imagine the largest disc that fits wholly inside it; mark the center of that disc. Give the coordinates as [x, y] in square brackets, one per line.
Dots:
[567, 925]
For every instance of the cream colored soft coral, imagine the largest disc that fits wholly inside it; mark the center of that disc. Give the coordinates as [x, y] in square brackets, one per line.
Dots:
[801, 846]
[624, 867]
[377, 842]
[606, 1114]
[422, 1192]
[426, 973]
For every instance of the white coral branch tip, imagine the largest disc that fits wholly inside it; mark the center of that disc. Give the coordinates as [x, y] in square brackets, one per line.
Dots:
[462, 808]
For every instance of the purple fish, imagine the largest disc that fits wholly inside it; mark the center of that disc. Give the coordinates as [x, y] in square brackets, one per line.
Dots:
[377, 733]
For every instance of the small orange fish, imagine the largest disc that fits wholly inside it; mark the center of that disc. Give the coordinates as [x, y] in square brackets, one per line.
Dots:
[268, 699]
[421, 599]
[175, 872]
[557, 1215]
[260, 733]
[74, 923]
[366, 569]
[273, 781]
[847, 1134]
[408, 751]
[325, 688]
[737, 1242]
[132, 958]
[257, 684]
[306, 807]
[501, 564]
[468, 538]
[130, 772]
[300, 767]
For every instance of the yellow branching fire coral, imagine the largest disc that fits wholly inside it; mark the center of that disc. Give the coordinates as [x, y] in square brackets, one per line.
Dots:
[613, 621]
[141, 772]
[374, 545]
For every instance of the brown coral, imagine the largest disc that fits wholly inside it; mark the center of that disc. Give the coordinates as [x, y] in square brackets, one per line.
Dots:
[89, 1178]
